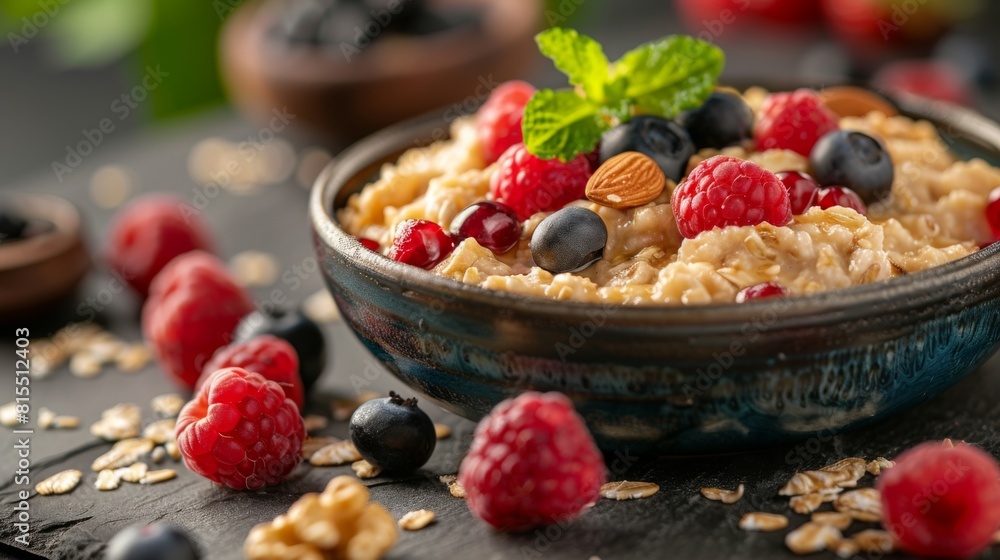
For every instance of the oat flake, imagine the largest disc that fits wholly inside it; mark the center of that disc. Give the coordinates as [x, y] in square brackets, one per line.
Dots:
[416, 520]
[724, 496]
[59, 483]
[760, 521]
[628, 490]
[335, 454]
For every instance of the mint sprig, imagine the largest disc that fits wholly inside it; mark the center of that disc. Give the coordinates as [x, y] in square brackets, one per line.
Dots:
[660, 78]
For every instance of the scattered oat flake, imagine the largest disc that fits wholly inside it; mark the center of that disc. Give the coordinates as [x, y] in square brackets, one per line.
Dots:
[864, 504]
[365, 470]
[836, 519]
[172, 450]
[314, 444]
[320, 307]
[628, 490]
[454, 486]
[812, 537]
[844, 548]
[59, 483]
[65, 423]
[160, 431]
[724, 496]
[806, 503]
[133, 357]
[158, 454]
[168, 405]
[874, 540]
[153, 477]
[314, 422]
[134, 473]
[853, 466]
[335, 454]
[123, 454]
[118, 422]
[45, 418]
[110, 185]
[107, 480]
[760, 521]
[416, 520]
[878, 465]
[84, 365]
[342, 409]
[254, 268]
[442, 431]
[8, 415]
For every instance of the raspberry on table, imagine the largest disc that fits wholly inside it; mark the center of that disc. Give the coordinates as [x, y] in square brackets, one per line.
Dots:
[270, 356]
[793, 121]
[192, 309]
[498, 121]
[941, 501]
[727, 191]
[148, 233]
[241, 431]
[532, 463]
[530, 185]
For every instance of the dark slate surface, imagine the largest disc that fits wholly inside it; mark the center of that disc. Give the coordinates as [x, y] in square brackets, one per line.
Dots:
[677, 521]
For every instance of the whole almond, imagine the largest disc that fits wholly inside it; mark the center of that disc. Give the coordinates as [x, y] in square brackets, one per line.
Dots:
[626, 180]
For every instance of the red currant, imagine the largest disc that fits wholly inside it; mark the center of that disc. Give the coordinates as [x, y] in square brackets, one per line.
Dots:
[420, 243]
[492, 224]
[761, 291]
[801, 190]
[840, 196]
[370, 244]
[942, 501]
[993, 213]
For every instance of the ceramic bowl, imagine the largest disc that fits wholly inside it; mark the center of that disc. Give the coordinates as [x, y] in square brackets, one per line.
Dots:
[342, 99]
[677, 379]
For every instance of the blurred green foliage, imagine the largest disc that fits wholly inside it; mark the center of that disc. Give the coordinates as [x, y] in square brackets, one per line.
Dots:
[178, 35]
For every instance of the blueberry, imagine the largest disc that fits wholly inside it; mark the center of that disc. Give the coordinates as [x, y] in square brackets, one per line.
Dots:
[845, 158]
[393, 433]
[723, 120]
[152, 542]
[340, 24]
[298, 330]
[301, 20]
[668, 144]
[568, 240]
[12, 226]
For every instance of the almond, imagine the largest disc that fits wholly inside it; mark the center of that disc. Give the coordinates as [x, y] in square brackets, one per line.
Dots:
[626, 180]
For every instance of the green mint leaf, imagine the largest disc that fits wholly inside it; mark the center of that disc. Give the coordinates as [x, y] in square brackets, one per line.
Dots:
[561, 124]
[670, 75]
[579, 57]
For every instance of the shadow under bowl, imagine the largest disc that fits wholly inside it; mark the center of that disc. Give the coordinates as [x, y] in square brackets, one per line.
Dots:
[668, 379]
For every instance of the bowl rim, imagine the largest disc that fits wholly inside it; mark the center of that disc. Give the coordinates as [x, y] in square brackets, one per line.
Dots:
[914, 290]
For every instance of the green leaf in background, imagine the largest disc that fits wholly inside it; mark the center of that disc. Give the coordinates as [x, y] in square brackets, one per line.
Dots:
[561, 124]
[670, 75]
[579, 57]
[97, 32]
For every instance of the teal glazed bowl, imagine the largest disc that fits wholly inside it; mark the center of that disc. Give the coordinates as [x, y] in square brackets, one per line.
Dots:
[659, 379]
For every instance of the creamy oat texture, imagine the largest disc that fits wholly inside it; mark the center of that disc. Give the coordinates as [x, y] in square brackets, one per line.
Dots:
[935, 215]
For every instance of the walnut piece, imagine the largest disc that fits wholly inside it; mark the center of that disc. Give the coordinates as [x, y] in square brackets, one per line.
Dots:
[339, 523]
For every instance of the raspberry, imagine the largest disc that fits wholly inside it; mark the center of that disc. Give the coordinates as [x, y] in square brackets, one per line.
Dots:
[267, 355]
[726, 191]
[192, 309]
[532, 462]
[530, 185]
[840, 196]
[941, 501]
[498, 122]
[149, 233]
[934, 80]
[241, 431]
[420, 243]
[793, 121]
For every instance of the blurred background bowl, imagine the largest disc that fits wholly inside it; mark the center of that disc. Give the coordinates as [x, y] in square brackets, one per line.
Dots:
[342, 97]
[668, 379]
